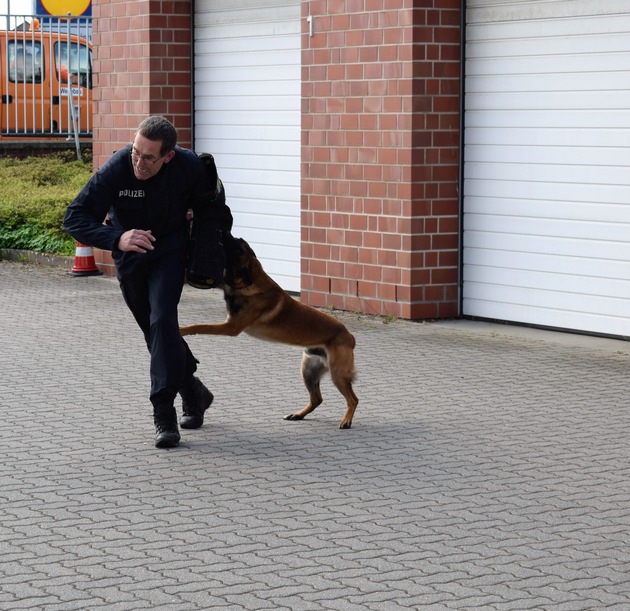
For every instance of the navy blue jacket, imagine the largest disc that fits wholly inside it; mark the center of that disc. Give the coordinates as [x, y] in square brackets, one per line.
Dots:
[158, 204]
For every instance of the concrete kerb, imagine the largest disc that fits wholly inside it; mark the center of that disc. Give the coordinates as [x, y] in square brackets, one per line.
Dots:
[40, 258]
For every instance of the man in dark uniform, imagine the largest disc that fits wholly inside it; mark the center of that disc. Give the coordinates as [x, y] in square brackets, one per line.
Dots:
[146, 190]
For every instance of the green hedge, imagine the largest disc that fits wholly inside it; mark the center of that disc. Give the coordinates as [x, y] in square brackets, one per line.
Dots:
[34, 195]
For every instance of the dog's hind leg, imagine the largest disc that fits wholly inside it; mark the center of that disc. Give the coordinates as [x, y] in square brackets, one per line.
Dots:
[341, 363]
[314, 366]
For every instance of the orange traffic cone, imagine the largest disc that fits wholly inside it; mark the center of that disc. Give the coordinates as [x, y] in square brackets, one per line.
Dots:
[84, 264]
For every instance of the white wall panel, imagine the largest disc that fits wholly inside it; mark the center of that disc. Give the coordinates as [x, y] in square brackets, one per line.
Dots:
[547, 163]
[247, 114]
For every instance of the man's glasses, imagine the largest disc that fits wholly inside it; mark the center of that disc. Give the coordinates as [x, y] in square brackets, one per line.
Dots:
[146, 158]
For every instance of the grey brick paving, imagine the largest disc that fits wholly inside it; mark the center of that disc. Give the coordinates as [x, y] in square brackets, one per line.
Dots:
[488, 467]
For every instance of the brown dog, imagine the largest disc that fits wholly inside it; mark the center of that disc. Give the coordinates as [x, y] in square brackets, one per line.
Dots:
[258, 306]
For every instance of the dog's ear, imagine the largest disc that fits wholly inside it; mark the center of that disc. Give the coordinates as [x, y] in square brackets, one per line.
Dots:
[248, 249]
[230, 243]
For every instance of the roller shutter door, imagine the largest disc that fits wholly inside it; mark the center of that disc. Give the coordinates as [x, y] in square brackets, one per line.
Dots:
[247, 114]
[547, 163]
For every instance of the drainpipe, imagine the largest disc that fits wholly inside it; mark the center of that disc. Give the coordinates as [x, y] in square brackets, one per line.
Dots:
[462, 94]
[192, 76]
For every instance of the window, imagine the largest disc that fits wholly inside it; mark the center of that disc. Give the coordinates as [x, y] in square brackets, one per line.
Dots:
[73, 63]
[25, 61]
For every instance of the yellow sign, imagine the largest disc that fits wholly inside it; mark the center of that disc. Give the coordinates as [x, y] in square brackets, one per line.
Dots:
[63, 7]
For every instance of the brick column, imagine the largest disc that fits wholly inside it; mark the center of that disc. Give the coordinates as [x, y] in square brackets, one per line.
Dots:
[380, 156]
[142, 66]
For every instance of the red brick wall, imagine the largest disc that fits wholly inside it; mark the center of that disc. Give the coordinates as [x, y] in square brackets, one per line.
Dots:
[380, 162]
[142, 66]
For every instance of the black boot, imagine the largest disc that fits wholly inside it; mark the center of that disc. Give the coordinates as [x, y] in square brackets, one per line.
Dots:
[166, 433]
[196, 399]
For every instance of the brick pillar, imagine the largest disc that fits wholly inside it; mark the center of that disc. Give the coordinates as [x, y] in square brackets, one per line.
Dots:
[142, 66]
[380, 156]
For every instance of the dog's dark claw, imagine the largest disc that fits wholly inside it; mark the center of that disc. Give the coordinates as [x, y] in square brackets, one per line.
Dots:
[293, 417]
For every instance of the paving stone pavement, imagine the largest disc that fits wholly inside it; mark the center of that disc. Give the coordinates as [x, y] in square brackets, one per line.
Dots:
[488, 466]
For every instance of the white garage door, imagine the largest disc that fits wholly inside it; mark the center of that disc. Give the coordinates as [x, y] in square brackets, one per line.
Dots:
[547, 163]
[247, 114]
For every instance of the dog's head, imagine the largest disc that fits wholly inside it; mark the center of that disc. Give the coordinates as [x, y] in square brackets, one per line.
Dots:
[240, 263]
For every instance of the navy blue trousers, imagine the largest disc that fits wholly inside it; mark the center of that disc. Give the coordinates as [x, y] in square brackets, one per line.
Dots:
[152, 293]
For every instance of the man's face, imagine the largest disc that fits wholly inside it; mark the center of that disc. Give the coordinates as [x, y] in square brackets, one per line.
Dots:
[145, 157]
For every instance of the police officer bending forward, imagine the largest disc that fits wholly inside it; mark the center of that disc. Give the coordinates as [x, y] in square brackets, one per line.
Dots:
[146, 189]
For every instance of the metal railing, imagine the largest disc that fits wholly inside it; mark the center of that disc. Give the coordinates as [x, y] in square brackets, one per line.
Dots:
[45, 77]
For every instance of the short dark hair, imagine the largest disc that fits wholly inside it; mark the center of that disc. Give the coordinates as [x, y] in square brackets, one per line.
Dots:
[157, 128]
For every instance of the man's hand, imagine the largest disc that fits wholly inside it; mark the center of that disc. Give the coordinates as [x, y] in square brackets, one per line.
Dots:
[136, 240]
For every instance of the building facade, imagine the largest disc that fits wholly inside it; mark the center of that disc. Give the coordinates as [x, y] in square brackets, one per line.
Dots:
[415, 158]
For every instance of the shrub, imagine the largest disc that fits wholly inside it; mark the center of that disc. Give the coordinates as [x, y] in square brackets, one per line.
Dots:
[34, 195]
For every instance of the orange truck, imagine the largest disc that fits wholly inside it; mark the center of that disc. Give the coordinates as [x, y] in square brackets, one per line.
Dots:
[45, 85]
